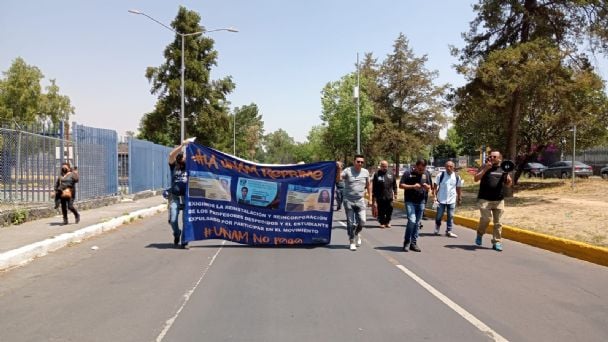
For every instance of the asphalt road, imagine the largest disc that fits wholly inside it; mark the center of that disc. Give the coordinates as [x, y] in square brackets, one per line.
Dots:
[137, 287]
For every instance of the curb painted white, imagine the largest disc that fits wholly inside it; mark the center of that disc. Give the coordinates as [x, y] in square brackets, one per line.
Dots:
[25, 254]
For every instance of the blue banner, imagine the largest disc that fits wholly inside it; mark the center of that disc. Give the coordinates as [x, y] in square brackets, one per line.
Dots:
[257, 204]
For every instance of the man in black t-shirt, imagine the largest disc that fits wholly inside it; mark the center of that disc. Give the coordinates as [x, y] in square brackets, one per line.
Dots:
[490, 198]
[417, 183]
[384, 191]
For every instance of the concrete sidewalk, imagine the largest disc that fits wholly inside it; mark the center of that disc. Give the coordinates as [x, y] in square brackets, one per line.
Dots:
[22, 243]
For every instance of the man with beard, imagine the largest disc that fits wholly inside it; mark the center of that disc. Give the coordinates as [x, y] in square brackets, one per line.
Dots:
[384, 191]
[490, 198]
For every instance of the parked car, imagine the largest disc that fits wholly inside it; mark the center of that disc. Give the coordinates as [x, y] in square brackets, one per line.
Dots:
[563, 169]
[534, 169]
[604, 172]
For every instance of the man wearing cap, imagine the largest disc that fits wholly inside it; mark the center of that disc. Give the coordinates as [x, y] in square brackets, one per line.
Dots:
[177, 191]
[490, 198]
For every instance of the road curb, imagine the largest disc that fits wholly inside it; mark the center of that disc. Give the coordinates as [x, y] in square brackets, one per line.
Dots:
[25, 254]
[571, 248]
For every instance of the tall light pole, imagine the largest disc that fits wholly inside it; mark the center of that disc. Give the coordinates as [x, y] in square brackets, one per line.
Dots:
[234, 134]
[183, 67]
[358, 113]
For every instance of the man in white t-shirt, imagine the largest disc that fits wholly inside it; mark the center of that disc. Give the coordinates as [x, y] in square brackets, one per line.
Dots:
[447, 190]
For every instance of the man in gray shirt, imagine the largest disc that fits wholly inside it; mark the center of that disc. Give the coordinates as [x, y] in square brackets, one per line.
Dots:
[356, 181]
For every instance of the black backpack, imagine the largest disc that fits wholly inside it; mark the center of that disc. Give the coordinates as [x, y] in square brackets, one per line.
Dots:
[443, 174]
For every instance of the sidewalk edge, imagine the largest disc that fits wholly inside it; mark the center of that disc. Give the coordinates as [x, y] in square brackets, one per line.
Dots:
[23, 255]
[576, 249]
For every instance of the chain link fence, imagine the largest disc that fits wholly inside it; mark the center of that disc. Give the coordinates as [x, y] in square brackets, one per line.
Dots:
[31, 157]
[29, 162]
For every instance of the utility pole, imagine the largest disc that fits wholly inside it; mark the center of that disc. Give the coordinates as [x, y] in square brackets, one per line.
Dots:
[358, 111]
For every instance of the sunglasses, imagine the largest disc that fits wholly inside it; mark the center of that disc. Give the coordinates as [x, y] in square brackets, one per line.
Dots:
[493, 157]
[359, 161]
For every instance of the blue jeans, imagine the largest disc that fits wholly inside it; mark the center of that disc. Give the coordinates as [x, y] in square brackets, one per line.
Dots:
[355, 217]
[449, 208]
[174, 207]
[414, 214]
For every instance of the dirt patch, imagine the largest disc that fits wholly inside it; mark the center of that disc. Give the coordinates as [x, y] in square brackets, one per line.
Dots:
[553, 207]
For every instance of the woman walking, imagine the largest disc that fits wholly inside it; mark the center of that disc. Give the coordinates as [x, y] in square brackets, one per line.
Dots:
[65, 190]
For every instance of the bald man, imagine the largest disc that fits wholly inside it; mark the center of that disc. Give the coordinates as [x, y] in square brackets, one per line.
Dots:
[384, 191]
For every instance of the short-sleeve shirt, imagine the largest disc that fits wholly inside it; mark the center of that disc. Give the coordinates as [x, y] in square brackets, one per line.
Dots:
[447, 187]
[179, 178]
[354, 183]
[491, 186]
[412, 177]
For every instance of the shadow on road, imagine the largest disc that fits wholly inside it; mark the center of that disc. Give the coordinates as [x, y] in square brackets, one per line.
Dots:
[161, 246]
[466, 247]
[390, 248]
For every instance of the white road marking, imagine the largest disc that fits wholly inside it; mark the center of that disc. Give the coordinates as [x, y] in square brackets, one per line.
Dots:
[459, 310]
[447, 301]
[187, 295]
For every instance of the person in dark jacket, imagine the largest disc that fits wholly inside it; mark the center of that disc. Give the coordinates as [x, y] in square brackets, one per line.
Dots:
[384, 191]
[177, 191]
[65, 190]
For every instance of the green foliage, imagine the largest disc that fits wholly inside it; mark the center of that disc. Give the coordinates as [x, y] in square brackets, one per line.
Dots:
[444, 151]
[314, 149]
[54, 106]
[410, 106]
[278, 148]
[20, 92]
[249, 131]
[528, 81]
[206, 109]
[339, 114]
[22, 99]
[19, 216]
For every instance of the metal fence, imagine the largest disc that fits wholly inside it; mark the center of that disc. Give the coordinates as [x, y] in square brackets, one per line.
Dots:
[97, 161]
[147, 166]
[29, 162]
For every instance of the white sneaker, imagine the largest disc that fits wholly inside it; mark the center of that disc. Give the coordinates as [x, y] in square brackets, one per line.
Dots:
[450, 234]
[353, 247]
[358, 240]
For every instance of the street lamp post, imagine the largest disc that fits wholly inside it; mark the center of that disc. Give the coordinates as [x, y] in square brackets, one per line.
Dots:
[183, 65]
[234, 134]
[358, 111]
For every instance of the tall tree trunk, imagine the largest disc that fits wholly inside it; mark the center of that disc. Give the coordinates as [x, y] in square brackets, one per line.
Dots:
[513, 126]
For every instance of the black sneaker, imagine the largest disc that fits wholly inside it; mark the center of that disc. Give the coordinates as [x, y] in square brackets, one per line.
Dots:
[415, 248]
[65, 222]
[77, 219]
[176, 240]
[185, 246]
[405, 243]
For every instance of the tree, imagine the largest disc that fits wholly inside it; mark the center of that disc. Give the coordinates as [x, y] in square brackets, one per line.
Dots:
[314, 149]
[55, 106]
[249, 131]
[278, 148]
[514, 35]
[206, 109]
[411, 106]
[22, 99]
[339, 113]
[20, 93]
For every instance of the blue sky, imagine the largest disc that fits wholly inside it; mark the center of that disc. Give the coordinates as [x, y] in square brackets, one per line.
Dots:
[284, 54]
